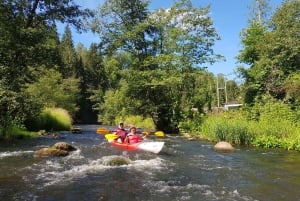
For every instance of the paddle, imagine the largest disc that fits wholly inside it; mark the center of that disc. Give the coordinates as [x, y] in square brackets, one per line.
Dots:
[159, 133]
[111, 136]
[102, 131]
[146, 132]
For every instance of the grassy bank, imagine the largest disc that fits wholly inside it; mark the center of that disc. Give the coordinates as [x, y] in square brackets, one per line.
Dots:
[268, 134]
[272, 125]
[50, 119]
[16, 133]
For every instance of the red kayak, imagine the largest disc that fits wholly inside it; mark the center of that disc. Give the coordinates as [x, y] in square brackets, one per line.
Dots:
[154, 147]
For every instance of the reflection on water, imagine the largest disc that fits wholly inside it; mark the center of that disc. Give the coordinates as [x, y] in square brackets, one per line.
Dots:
[184, 170]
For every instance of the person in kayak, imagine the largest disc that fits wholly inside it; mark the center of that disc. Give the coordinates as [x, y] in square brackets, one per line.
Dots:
[132, 137]
[121, 132]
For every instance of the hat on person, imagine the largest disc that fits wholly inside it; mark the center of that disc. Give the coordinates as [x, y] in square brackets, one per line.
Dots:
[121, 123]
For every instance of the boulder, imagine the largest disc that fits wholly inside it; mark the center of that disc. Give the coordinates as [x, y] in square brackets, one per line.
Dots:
[49, 151]
[224, 147]
[64, 146]
[58, 149]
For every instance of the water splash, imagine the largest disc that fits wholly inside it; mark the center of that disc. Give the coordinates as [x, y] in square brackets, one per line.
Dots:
[14, 153]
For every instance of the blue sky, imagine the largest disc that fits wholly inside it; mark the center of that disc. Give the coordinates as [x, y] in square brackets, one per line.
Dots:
[229, 18]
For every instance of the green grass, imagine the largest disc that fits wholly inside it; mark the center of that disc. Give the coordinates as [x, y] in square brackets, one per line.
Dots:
[265, 132]
[51, 119]
[16, 133]
[223, 128]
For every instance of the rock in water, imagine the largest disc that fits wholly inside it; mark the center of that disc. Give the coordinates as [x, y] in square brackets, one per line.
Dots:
[224, 147]
[59, 149]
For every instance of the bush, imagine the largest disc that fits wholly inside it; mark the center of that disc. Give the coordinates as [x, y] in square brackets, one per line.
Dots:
[16, 133]
[226, 127]
[137, 121]
[268, 124]
[51, 119]
[192, 125]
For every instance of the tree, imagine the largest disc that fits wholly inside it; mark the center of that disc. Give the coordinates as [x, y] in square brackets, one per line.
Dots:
[185, 36]
[15, 108]
[117, 25]
[292, 88]
[260, 11]
[273, 55]
[29, 42]
[251, 38]
[233, 91]
[68, 55]
[93, 80]
[25, 30]
[51, 90]
[166, 50]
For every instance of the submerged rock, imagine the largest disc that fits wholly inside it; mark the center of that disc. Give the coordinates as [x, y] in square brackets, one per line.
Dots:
[224, 147]
[118, 161]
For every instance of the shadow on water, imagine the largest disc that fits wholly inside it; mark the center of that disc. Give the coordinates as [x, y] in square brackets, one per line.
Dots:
[183, 170]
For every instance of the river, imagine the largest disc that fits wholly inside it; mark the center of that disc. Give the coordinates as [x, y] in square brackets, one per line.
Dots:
[183, 170]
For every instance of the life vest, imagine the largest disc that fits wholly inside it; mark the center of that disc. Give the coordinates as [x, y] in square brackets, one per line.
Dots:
[131, 138]
[121, 133]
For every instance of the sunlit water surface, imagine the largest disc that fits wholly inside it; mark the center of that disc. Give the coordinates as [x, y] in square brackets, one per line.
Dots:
[183, 170]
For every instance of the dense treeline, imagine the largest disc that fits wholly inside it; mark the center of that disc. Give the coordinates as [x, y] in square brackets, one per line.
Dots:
[148, 64]
[270, 116]
[37, 69]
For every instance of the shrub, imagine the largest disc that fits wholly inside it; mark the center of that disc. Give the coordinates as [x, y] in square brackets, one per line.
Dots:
[273, 125]
[192, 125]
[225, 127]
[51, 119]
[137, 121]
[17, 133]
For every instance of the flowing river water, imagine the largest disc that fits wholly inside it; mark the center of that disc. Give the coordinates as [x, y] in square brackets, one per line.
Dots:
[183, 170]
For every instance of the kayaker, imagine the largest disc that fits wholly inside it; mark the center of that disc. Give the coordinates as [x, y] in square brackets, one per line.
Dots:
[132, 137]
[121, 132]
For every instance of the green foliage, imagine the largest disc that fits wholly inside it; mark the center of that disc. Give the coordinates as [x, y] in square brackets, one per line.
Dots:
[267, 142]
[52, 91]
[273, 54]
[116, 104]
[289, 143]
[51, 119]
[160, 56]
[233, 91]
[251, 37]
[15, 108]
[28, 43]
[229, 126]
[292, 88]
[16, 133]
[192, 125]
[68, 55]
[28, 36]
[137, 121]
[284, 46]
[270, 110]
[274, 125]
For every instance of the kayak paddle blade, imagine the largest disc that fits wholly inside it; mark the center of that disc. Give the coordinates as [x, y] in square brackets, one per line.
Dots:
[111, 136]
[159, 133]
[102, 131]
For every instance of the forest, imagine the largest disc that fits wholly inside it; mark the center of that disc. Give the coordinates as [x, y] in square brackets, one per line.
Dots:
[149, 69]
